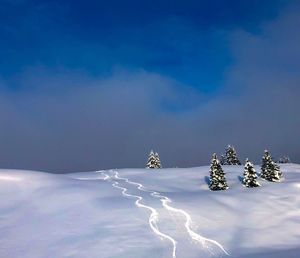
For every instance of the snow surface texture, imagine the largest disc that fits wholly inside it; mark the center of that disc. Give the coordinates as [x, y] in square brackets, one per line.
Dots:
[141, 213]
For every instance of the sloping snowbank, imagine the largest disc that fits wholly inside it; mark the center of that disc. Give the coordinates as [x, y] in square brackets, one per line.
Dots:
[83, 215]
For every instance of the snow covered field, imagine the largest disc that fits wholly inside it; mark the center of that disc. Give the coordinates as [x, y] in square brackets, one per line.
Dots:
[139, 213]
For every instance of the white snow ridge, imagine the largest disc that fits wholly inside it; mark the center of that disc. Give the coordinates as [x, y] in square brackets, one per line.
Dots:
[143, 213]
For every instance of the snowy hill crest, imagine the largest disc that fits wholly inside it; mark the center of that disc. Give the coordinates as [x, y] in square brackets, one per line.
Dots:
[86, 214]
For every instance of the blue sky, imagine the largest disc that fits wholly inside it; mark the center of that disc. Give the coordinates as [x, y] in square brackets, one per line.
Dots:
[92, 84]
[186, 40]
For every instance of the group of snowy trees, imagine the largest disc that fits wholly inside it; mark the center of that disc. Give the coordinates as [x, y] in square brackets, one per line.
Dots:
[153, 160]
[270, 171]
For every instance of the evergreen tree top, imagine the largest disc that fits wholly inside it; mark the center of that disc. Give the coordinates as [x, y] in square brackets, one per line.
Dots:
[229, 147]
[266, 153]
[231, 156]
[267, 156]
[214, 156]
[248, 163]
[153, 160]
[214, 159]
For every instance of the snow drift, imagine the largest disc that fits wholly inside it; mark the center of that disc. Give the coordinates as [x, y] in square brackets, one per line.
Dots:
[95, 214]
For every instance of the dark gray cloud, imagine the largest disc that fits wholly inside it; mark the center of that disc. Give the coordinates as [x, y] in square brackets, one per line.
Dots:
[78, 122]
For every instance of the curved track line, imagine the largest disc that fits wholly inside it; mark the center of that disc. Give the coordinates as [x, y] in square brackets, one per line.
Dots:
[153, 216]
[188, 223]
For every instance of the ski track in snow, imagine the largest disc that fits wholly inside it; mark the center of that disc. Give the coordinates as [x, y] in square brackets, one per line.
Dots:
[188, 224]
[155, 215]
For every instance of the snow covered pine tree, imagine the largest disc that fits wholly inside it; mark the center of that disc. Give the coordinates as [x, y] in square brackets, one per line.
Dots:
[231, 156]
[151, 160]
[269, 169]
[217, 175]
[250, 176]
[157, 160]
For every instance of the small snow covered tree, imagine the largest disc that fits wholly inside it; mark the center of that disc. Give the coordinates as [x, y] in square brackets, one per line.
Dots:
[250, 176]
[231, 156]
[151, 160]
[287, 159]
[157, 160]
[223, 160]
[284, 159]
[269, 169]
[217, 175]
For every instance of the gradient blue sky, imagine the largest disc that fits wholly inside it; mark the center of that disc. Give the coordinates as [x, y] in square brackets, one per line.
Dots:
[96, 84]
[186, 40]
